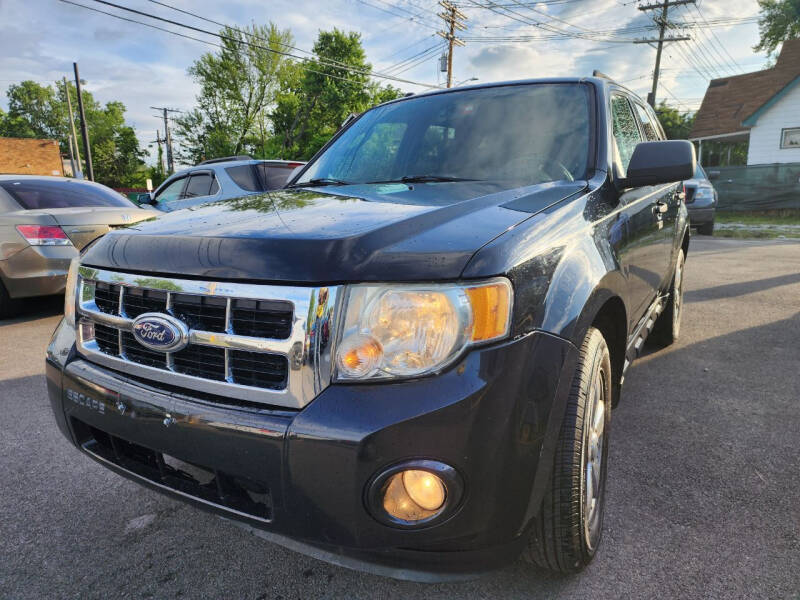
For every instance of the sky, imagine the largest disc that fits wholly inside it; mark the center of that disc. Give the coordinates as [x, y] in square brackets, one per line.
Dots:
[144, 67]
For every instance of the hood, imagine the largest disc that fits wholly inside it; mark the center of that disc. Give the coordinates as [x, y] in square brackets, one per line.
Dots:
[378, 232]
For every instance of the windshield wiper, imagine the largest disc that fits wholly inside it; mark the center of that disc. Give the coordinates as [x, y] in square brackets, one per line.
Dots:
[320, 181]
[426, 179]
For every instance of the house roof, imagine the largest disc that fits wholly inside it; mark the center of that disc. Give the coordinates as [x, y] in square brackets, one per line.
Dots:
[730, 101]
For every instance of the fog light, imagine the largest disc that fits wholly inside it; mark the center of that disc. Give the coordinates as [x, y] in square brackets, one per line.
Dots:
[415, 493]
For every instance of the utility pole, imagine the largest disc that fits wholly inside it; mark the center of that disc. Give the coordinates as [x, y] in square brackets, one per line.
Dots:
[453, 20]
[662, 23]
[159, 140]
[74, 136]
[87, 151]
[167, 136]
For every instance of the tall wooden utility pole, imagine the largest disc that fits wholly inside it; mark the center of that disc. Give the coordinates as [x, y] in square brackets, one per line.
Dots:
[167, 136]
[662, 26]
[454, 21]
[662, 23]
[87, 151]
[74, 137]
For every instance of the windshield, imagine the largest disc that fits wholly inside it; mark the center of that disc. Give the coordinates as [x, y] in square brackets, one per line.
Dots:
[511, 135]
[36, 194]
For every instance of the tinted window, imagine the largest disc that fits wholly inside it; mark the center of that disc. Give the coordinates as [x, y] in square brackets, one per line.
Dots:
[275, 176]
[648, 126]
[199, 185]
[511, 135]
[39, 194]
[626, 132]
[171, 192]
[245, 177]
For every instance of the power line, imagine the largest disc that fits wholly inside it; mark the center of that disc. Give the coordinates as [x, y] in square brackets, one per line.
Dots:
[238, 41]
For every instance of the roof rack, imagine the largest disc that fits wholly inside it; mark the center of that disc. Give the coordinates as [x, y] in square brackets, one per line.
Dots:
[602, 75]
[212, 161]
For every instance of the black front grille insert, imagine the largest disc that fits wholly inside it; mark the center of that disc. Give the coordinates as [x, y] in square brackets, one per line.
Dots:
[106, 296]
[135, 352]
[262, 318]
[259, 370]
[205, 313]
[198, 481]
[689, 194]
[107, 339]
[201, 361]
[137, 301]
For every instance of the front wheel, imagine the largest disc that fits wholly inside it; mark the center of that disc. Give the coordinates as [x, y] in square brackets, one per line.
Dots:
[567, 531]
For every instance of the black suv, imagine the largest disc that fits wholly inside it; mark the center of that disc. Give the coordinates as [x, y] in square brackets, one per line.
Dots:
[404, 362]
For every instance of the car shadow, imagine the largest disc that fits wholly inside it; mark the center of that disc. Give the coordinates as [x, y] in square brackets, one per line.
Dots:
[36, 308]
[731, 290]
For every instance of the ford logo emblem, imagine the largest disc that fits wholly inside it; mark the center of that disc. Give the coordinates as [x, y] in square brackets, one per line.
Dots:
[160, 332]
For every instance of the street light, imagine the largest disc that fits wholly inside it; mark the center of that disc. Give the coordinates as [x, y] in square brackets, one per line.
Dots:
[465, 81]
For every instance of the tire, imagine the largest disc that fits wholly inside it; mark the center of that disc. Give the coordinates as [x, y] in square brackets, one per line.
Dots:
[706, 228]
[566, 533]
[8, 306]
[668, 326]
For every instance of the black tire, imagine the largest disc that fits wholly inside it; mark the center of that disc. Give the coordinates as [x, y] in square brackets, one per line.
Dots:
[565, 535]
[706, 228]
[8, 306]
[668, 325]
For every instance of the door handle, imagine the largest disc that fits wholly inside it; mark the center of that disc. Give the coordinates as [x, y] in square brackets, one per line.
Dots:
[660, 208]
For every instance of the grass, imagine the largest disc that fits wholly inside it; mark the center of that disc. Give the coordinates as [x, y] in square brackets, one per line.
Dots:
[754, 218]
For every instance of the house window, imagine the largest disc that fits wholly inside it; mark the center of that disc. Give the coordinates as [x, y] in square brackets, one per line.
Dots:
[790, 138]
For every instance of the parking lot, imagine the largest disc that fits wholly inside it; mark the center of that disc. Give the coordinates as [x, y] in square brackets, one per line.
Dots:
[703, 480]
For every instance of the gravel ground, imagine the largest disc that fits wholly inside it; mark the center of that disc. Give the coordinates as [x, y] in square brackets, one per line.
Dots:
[704, 475]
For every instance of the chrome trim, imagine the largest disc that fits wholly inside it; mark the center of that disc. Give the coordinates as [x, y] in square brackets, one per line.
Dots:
[309, 368]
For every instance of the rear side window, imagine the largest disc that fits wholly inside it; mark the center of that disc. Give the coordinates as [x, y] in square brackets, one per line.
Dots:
[649, 127]
[200, 184]
[245, 177]
[39, 194]
[275, 176]
[626, 131]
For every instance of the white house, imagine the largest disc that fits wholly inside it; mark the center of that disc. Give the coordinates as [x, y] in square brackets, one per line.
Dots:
[760, 109]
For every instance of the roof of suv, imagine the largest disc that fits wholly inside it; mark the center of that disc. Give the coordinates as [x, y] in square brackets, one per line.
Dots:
[235, 163]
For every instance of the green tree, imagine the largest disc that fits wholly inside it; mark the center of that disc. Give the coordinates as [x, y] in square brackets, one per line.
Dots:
[322, 92]
[237, 85]
[38, 111]
[778, 21]
[676, 124]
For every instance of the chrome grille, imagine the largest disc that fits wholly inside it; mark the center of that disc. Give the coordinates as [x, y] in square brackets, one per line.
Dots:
[248, 342]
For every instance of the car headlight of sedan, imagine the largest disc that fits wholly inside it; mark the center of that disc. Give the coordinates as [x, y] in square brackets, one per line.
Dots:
[397, 331]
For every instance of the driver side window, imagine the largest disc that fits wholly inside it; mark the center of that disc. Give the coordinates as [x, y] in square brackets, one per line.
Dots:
[625, 129]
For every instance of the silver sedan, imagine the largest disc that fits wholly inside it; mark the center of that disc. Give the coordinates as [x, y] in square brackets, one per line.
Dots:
[44, 223]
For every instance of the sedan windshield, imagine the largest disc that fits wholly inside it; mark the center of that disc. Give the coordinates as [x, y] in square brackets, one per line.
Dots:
[513, 136]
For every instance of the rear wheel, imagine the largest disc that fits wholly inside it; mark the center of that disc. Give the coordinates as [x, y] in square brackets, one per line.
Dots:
[8, 307]
[567, 531]
[706, 228]
[668, 326]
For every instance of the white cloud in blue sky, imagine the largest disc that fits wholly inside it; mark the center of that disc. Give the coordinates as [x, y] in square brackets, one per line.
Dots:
[39, 39]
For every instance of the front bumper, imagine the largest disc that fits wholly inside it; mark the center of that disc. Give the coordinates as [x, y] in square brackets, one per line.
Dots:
[37, 270]
[494, 417]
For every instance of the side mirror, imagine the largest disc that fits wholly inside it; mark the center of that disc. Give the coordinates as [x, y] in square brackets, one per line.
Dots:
[144, 198]
[653, 163]
[712, 175]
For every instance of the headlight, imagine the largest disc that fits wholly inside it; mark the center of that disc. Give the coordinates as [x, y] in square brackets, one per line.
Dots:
[70, 291]
[396, 331]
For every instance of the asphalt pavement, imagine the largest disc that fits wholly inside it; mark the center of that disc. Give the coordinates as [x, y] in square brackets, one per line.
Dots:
[703, 481]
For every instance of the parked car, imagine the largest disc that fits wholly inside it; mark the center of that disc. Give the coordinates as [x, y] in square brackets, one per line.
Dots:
[44, 222]
[405, 361]
[701, 200]
[220, 179]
